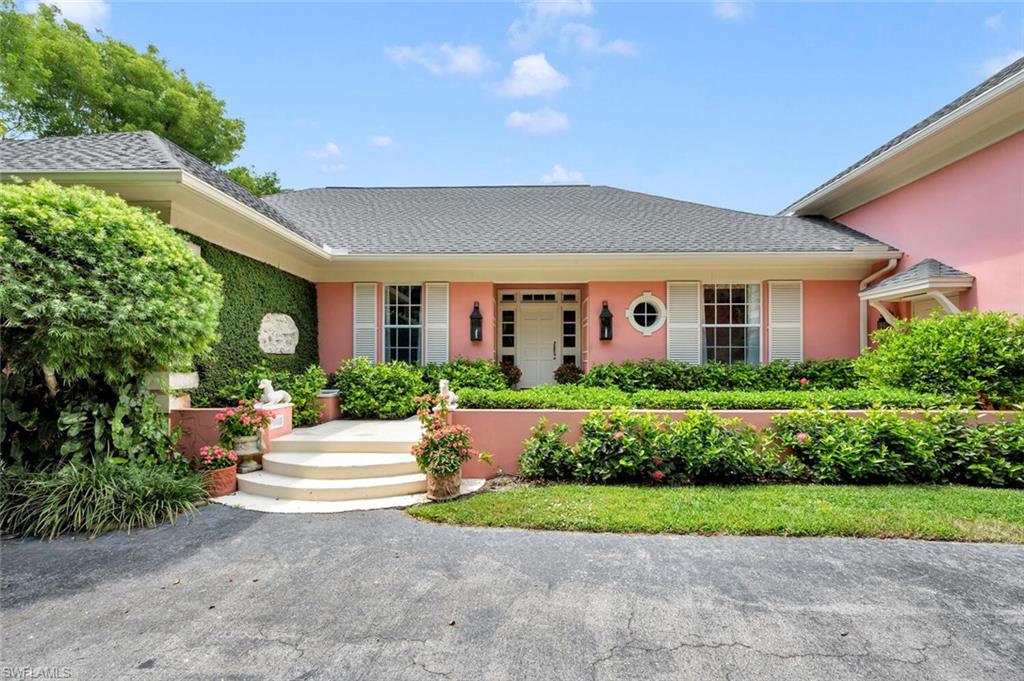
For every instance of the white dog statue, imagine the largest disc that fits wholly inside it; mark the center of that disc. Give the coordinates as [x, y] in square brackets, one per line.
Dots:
[447, 395]
[270, 396]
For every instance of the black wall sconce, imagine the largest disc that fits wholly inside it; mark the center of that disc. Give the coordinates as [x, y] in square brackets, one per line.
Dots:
[606, 322]
[476, 324]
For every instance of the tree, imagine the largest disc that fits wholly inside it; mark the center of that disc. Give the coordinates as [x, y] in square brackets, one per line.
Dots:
[258, 184]
[90, 286]
[56, 80]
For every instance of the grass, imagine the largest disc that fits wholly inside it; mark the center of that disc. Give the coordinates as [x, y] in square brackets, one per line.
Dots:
[909, 511]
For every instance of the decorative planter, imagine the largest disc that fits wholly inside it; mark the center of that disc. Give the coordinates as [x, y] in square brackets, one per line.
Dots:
[221, 481]
[247, 448]
[446, 487]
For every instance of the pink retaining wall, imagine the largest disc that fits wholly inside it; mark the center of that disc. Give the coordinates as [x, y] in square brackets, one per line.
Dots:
[969, 214]
[334, 323]
[502, 431]
[199, 427]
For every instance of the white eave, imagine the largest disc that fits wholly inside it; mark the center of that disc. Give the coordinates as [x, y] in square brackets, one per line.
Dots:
[917, 287]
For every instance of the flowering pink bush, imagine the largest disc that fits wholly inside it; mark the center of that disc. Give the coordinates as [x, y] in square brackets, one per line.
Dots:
[213, 457]
[443, 447]
[242, 420]
[802, 437]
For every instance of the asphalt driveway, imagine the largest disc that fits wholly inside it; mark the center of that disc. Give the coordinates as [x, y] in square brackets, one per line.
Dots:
[378, 595]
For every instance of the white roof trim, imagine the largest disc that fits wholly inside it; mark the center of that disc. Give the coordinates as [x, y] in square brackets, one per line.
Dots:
[918, 287]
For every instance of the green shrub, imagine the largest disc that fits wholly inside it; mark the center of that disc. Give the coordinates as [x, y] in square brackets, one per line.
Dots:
[884, 447]
[568, 374]
[618, 446]
[512, 374]
[653, 374]
[304, 388]
[252, 290]
[90, 286]
[581, 397]
[545, 455]
[95, 497]
[462, 372]
[706, 448]
[978, 355]
[377, 391]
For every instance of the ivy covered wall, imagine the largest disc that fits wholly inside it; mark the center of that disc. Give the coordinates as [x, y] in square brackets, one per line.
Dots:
[251, 290]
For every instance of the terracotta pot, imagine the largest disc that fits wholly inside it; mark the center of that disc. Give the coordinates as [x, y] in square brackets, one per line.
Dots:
[248, 445]
[221, 481]
[446, 487]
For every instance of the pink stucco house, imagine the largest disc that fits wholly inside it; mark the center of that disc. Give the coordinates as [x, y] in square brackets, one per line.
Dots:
[933, 219]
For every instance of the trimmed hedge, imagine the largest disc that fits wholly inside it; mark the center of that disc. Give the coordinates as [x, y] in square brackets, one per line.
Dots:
[660, 374]
[814, 446]
[304, 388]
[251, 290]
[579, 397]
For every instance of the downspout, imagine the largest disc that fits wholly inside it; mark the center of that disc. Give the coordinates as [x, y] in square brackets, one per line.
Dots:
[864, 305]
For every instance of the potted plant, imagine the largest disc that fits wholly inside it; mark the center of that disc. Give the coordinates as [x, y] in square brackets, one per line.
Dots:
[240, 429]
[219, 467]
[442, 449]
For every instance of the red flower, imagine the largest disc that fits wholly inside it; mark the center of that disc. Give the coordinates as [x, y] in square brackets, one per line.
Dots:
[804, 381]
[802, 437]
[618, 435]
[657, 475]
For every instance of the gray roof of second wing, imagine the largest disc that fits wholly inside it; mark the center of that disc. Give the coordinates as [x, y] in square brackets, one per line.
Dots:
[543, 219]
[929, 268]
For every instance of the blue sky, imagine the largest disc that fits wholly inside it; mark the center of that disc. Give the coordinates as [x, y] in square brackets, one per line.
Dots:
[745, 105]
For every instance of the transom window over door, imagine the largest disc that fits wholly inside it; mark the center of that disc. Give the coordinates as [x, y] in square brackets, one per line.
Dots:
[732, 323]
[403, 323]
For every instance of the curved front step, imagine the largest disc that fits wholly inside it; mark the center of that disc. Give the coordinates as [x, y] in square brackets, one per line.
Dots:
[305, 443]
[277, 486]
[334, 465]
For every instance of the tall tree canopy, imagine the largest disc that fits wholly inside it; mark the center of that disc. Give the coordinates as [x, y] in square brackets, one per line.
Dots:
[56, 80]
[258, 184]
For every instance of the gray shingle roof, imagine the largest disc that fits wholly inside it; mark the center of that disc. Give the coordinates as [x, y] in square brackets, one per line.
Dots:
[450, 220]
[115, 151]
[980, 89]
[545, 219]
[928, 268]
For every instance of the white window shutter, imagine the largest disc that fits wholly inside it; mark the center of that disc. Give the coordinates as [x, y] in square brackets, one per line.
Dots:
[786, 320]
[683, 323]
[436, 322]
[364, 321]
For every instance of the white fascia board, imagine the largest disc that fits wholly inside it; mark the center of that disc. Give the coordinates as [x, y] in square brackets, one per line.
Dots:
[918, 287]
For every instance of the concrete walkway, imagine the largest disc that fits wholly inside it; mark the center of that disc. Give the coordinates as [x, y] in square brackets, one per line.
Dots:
[378, 595]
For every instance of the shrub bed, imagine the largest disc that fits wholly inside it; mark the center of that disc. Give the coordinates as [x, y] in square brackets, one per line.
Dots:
[580, 397]
[821, 446]
[977, 355]
[653, 374]
[303, 386]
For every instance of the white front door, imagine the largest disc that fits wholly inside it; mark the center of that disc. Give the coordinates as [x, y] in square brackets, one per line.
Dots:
[537, 343]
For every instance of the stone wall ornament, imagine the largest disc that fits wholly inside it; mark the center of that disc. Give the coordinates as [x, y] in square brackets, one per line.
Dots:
[447, 395]
[270, 396]
[278, 334]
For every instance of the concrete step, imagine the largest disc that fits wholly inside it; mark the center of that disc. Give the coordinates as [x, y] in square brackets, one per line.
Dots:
[264, 483]
[335, 465]
[351, 436]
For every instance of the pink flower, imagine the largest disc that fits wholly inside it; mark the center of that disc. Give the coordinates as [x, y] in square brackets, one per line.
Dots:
[804, 381]
[656, 460]
[657, 475]
[802, 437]
[607, 425]
[618, 435]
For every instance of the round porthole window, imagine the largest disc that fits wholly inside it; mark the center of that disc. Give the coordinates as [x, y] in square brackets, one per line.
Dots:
[646, 313]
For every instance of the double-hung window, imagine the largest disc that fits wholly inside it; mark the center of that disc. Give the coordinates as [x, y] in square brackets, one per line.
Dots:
[403, 323]
[732, 323]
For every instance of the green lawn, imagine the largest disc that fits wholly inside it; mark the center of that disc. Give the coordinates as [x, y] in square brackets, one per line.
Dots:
[916, 512]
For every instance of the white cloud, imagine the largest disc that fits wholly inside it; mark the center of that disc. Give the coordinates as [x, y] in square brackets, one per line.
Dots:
[539, 122]
[588, 39]
[531, 76]
[559, 175]
[380, 141]
[88, 13]
[443, 59]
[327, 151]
[994, 22]
[992, 66]
[731, 10]
[332, 167]
[541, 18]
